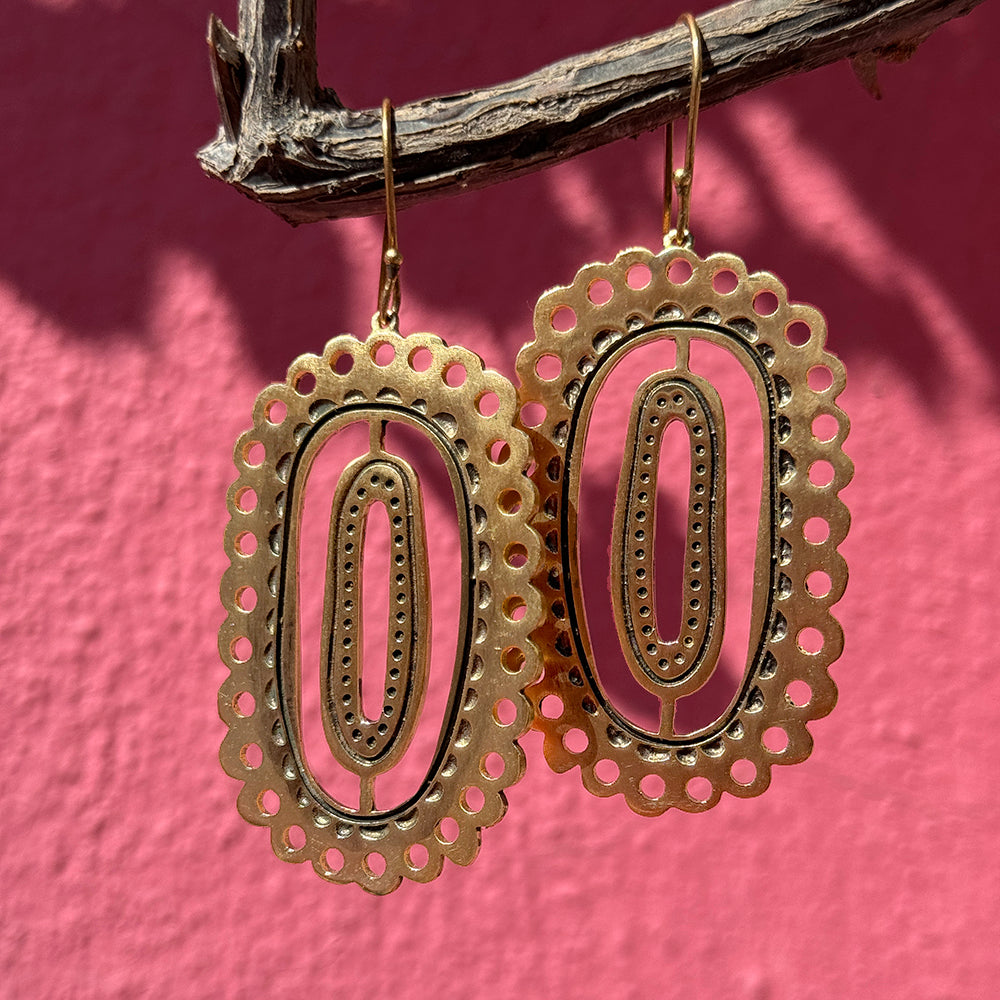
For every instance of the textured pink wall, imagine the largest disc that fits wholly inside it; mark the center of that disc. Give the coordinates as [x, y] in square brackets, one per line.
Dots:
[141, 309]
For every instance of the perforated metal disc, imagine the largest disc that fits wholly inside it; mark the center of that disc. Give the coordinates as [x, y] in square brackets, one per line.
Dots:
[674, 295]
[467, 413]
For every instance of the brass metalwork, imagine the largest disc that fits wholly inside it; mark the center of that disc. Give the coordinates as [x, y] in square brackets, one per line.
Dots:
[356, 741]
[467, 412]
[261, 700]
[680, 665]
[676, 232]
[675, 296]
[685, 309]
[389, 292]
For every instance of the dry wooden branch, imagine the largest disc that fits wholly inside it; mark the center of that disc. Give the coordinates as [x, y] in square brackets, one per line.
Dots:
[293, 146]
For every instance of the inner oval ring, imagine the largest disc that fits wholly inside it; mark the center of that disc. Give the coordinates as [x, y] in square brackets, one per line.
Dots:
[569, 495]
[285, 643]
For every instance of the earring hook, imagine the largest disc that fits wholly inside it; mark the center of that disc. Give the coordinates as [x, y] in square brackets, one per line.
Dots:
[677, 233]
[392, 259]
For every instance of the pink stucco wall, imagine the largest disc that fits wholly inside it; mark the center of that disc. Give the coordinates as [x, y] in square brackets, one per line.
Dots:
[141, 309]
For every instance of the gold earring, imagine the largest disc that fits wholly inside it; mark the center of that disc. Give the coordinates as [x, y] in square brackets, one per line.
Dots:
[676, 297]
[467, 413]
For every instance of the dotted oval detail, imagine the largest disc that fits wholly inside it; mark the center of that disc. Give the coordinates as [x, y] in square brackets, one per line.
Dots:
[353, 738]
[671, 667]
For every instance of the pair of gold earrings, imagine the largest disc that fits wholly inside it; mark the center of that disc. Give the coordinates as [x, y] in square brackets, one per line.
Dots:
[514, 457]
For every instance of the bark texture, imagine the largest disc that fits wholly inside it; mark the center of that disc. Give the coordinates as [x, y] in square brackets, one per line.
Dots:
[292, 145]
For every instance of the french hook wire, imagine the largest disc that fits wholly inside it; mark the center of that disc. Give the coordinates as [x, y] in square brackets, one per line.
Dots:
[677, 232]
[392, 259]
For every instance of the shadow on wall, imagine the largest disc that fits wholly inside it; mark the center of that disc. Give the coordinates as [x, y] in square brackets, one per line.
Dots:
[100, 181]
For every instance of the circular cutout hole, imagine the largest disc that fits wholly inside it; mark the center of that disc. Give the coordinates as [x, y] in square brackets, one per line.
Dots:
[491, 766]
[825, 427]
[509, 501]
[515, 555]
[599, 291]
[454, 374]
[819, 583]
[821, 473]
[374, 865]
[798, 333]
[341, 364]
[551, 706]
[275, 411]
[816, 530]
[246, 598]
[799, 693]
[417, 856]
[246, 500]
[498, 452]
[515, 608]
[268, 802]
[383, 354]
[820, 378]
[244, 704]
[774, 739]
[575, 740]
[765, 303]
[447, 830]
[606, 771]
[512, 659]
[563, 319]
[810, 640]
[652, 786]
[487, 403]
[305, 383]
[698, 789]
[252, 756]
[505, 712]
[638, 276]
[420, 359]
[295, 838]
[246, 543]
[725, 281]
[241, 649]
[473, 799]
[680, 271]
[533, 414]
[744, 772]
[548, 367]
[253, 454]
[333, 859]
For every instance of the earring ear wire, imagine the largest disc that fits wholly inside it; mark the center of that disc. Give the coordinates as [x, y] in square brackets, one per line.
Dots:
[675, 231]
[389, 293]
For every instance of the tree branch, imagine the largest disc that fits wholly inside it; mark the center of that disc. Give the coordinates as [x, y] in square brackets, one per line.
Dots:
[292, 146]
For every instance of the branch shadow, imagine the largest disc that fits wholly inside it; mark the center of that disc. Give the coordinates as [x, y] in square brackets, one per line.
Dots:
[101, 182]
[101, 188]
[848, 203]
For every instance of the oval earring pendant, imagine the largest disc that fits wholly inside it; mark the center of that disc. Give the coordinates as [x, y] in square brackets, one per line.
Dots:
[466, 413]
[671, 299]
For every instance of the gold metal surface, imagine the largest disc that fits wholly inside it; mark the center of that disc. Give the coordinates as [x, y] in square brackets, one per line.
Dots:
[378, 382]
[671, 668]
[374, 745]
[677, 233]
[655, 298]
[389, 292]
